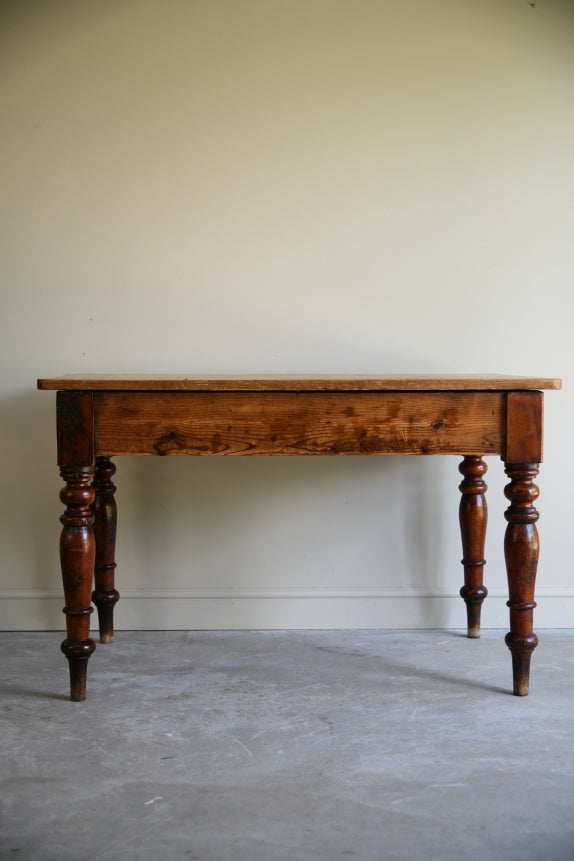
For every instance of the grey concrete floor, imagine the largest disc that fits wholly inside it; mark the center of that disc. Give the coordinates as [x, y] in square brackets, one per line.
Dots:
[288, 745]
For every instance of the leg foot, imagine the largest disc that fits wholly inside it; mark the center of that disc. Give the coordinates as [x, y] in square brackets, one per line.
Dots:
[521, 650]
[473, 516]
[105, 596]
[106, 619]
[77, 655]
[521, 554]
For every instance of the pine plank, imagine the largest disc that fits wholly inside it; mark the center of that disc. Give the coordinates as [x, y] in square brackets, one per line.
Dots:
[299, 423]
[296, 383]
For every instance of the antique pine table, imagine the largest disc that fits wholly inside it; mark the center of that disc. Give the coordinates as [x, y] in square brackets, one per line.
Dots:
[102, 416]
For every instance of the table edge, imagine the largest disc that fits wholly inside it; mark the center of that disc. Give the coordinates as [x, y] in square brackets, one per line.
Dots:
[311, 383]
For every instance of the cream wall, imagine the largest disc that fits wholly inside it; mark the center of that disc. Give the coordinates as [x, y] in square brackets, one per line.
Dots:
[305, 185]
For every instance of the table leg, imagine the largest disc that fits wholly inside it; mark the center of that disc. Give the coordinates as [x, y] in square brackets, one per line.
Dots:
[104, 596]
[521, 554]
[473, 517]
[77, 554]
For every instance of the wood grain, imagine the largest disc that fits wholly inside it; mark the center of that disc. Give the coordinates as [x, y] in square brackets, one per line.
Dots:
[524, 432]
[289, 423]
[75, 428]
[296, 383]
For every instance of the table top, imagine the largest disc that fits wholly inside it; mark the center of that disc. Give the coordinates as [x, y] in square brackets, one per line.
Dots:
[296, 383]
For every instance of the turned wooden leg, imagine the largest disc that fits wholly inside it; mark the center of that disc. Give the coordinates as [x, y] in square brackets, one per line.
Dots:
[473, 517]
[77, 555]
[104, 596]
[521, 553]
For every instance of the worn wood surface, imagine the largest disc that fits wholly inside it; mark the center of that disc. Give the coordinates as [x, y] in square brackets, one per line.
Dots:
[273, 423]
[297, 383]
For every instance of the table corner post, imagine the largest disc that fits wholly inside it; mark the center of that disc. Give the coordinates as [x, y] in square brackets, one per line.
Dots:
[76, 457]
[522, 459]
[473, 516]
[105, 596]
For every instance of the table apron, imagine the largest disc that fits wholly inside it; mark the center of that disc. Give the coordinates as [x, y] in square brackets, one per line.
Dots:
[299, 423]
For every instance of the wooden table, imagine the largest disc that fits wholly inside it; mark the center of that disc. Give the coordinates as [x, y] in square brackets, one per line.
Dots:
[470, 416]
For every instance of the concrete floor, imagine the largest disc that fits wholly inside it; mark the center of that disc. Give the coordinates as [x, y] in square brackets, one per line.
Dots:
[288, 745]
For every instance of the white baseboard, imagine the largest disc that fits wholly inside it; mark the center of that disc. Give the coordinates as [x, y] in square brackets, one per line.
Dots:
[280, 608]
